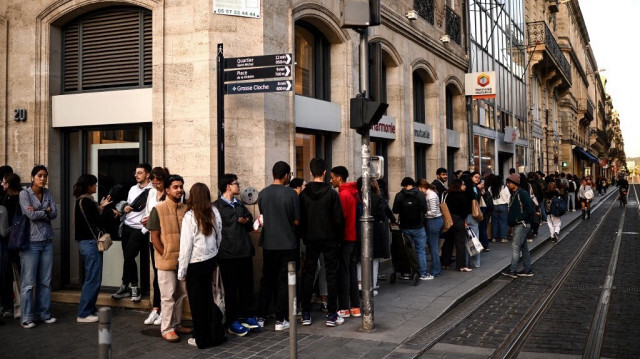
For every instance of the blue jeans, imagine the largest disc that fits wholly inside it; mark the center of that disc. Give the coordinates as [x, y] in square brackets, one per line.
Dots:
[499, 221]
[520, 243]
[37, 264]
[434, 226]
[475, 260]
[419, 238]
[92, 277]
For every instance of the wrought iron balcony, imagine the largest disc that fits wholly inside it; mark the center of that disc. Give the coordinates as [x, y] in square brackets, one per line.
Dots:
[453, 25]
[539, 34]
[425, 9]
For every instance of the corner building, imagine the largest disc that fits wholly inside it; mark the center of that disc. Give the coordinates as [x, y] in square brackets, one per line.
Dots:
[106, 85]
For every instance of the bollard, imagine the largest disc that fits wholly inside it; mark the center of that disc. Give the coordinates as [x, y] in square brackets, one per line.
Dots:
[104, 333]
[293, 308]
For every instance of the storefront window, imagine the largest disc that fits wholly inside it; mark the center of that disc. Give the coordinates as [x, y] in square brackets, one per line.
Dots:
[421, 161]
[484, 155]
[305, 151]
[520, 158]
[312, 62]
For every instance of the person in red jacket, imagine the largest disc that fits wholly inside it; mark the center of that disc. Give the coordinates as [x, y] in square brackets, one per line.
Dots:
[348, 297]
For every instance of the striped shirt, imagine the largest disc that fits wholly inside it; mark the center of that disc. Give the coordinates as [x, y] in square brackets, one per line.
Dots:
[433, 205]
[41, 229]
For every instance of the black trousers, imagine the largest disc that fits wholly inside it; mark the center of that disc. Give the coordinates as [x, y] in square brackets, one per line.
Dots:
[8, 261]
[237, 278]
[156, 288]
[331, 253]
[207, 317]
[456, 236]
[348, 296]
[274, 280]
[135, 242]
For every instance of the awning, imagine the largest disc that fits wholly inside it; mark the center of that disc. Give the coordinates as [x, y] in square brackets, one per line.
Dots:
[586, 155]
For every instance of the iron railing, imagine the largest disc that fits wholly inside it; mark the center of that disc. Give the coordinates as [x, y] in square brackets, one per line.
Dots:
[425, 9]
[539, 33]
[453, 25]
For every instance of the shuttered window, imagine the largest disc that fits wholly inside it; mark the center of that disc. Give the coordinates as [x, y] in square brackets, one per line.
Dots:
[108, 49]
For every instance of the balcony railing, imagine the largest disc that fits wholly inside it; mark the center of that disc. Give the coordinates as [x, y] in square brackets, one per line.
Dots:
[453, 25]
[425, 9]
[539, 33]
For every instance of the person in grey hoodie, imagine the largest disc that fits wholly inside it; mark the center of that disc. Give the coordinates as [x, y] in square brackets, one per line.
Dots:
[322, 225]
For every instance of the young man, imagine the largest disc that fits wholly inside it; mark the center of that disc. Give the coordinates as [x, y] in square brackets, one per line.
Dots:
[280, 208]
[165, 221]
[441, 181]
[235, 257]
[349, 298]
[134, 241]
[321, 221]
[520, 211]
[411, 205]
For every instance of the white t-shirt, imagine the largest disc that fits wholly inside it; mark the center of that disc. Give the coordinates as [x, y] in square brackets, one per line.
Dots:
[133, 219]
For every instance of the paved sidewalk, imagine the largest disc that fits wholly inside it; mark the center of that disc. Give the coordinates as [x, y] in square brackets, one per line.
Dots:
[401, 311]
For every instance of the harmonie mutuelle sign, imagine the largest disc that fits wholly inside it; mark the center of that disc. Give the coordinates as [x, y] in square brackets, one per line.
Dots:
[481, 84]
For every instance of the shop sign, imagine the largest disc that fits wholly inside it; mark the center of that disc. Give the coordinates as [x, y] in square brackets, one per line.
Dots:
[481, 85]
[422, 133]
[511, 134]
[386, 128]
[244, 8]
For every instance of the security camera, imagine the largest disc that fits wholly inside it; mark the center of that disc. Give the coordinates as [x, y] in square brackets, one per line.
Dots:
[412, 15]
[445, 39]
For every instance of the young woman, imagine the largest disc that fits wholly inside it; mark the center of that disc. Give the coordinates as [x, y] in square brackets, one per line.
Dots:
[200, 236]
[88, 224]
[37, 261]
[554, 222]
[10, 259]
[459, 204]
[499, 218]
[474, 189]
[585, 195]
[433, 225]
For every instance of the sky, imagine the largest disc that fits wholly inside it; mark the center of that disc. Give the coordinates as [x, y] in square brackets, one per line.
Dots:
[613, 31]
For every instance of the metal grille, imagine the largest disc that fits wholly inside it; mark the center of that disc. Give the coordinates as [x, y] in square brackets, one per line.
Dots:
[453, 25]
[425, 9]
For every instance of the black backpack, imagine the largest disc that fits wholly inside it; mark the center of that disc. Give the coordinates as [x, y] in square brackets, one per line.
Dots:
[410, 210]
[572, 186]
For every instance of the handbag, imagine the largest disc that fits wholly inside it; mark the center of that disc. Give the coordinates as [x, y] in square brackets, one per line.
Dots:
[473, 243]
[446, 215]
[19, 238]
[476, 212]
[588, 194]
[218, 292]
[103, 239]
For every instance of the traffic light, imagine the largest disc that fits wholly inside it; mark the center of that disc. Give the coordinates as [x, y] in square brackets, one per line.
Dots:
[365, 113]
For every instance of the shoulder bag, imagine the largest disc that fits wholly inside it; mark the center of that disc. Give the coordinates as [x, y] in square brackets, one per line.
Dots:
[474, 247]
[19, 237]
[476, 212]
[218, 292]
[446, 215]
[104, 239]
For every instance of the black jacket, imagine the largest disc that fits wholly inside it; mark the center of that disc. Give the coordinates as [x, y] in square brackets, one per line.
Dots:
[321, 218]
[415, 220]
[93, 216]
[459, 203]
[236, 242]
[440, 188]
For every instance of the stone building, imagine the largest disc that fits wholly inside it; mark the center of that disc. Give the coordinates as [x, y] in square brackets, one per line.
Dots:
[104, 85]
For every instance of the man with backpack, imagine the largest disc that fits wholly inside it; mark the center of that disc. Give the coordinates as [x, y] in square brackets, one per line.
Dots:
[411, 205]
[555, 206]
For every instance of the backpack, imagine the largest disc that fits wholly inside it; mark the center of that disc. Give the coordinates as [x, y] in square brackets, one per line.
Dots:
[572, 186]
[4, 222]
[410, 210]
[488, 200]
[558, 206]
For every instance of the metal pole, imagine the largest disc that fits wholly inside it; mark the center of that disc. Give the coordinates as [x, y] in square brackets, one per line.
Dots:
[293, 333]
[366, 219]
[104, 333]
[220, 109]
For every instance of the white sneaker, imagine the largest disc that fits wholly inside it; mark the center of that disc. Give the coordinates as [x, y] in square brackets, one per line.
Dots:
[426, 277]
[282, 325]
[51, 320]
[158, 320]
[152, 317]
[87, 319]
[192, 342]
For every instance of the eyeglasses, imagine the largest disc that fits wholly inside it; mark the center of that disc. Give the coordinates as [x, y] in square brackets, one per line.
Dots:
[235, 183]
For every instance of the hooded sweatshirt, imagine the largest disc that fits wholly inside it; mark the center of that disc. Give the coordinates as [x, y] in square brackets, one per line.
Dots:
[321, 217]
[349, 200]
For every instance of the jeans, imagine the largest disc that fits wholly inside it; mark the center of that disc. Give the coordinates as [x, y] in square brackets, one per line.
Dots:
[348, 296]
[434, 226]
[543, 213]
[475, 260]
[37, 264]
[419, 238]
[571, 201]
[520, 243]
[499, 221]
[92, 277]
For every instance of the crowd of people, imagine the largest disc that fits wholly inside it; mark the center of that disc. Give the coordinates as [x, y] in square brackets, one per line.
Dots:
[314, 224]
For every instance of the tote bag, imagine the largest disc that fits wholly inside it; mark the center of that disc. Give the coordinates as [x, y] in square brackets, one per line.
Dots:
[218, 292]
[446, 215]
[473, 243]
[476, 213]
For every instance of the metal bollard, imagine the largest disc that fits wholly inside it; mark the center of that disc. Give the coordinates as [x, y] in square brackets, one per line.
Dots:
[104, 333]
[293, 308]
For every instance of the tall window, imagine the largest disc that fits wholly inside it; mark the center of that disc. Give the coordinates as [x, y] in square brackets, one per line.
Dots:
[107, 49]
[312, 62]
[418, 99]
[421, 161]
[449, 108]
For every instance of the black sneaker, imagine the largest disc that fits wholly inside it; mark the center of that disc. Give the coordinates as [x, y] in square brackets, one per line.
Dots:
[555, 237]
[510, 273]
[135, 293]
[525, 273]
[122, 292]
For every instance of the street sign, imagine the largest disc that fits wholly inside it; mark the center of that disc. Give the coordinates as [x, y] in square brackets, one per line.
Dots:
[260, 86]
[257, 73]
[257, 61]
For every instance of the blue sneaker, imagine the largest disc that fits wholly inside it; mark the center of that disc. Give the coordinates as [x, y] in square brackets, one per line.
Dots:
[334, 319]
[251, 323]
[237, 329]
[306, 318]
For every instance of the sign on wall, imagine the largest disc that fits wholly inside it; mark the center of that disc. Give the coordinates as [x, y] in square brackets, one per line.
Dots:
[481, 84]
[244, 8]
[386, 128]
[422, 133]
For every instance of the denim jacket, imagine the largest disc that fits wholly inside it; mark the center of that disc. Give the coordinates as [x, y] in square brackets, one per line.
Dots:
[41, 229]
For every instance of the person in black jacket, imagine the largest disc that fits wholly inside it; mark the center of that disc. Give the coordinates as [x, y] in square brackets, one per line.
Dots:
[88, 217]
[234, 256]
[441, 181]
[10, 259]
[322, 225]
[459, 202]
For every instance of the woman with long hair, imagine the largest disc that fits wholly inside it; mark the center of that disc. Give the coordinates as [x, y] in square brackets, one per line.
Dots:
[88, 225]
[584, 192]
[36, 262]
[553, 221]
[459, 204]
[499, 218]
[200, 236]
[433, 224]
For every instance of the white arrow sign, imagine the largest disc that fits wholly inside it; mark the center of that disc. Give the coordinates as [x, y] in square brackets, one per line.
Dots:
[287, 71]
[288, 85]
[288, 59]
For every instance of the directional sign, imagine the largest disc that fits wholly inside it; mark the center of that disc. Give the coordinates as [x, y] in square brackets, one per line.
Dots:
[257, 61]
[258, 73]
[260, 86]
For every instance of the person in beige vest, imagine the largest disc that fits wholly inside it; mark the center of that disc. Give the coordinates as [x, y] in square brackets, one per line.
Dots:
[165, 222]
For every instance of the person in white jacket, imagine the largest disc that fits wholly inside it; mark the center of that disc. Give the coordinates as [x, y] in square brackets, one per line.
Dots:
[499, 217]
[200, 236]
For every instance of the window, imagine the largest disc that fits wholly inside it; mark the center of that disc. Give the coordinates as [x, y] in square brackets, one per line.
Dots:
[449, 108]
[308, 146]
[312, 62]
[107, 49]
[421, 161]
[418, 99]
